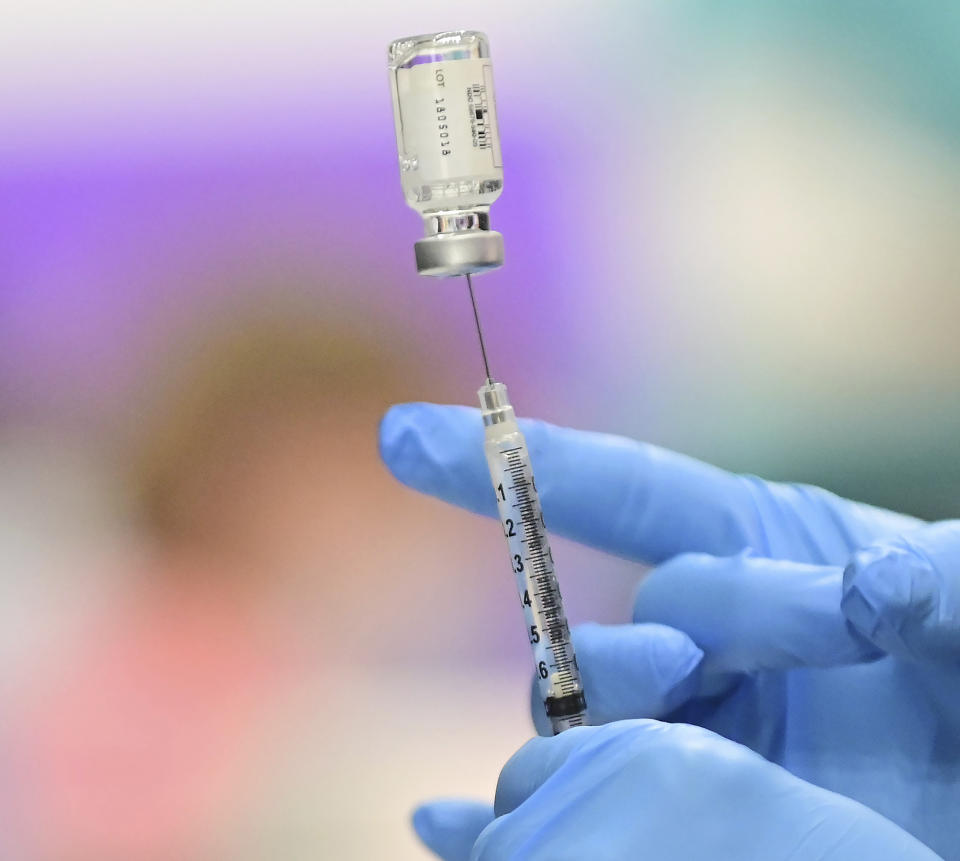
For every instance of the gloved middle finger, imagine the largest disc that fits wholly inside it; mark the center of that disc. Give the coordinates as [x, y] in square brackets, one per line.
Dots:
[749, 613]
[630, 671]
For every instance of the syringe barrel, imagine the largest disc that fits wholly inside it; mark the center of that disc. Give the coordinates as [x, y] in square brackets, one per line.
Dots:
[518, 502]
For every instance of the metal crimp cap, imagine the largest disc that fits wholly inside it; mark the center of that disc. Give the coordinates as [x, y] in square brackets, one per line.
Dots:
[464, 253]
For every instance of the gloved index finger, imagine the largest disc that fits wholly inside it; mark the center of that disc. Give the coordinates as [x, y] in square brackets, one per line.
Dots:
[628, 497]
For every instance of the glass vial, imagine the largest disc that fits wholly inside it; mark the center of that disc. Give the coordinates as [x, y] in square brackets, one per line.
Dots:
[448, 143]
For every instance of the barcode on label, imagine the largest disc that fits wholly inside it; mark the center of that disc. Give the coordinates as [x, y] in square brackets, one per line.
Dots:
[479, 114]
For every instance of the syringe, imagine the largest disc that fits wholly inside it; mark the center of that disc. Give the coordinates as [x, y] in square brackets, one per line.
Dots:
[451, 169]
[518, 502]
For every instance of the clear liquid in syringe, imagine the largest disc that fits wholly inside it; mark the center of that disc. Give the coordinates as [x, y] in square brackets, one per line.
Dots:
[518, 502]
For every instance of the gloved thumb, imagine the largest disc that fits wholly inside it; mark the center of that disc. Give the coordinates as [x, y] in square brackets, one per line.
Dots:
[904, 595]
[449, 828]
[641, 788]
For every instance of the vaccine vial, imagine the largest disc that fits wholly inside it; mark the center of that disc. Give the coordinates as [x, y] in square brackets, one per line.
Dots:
[448, 143]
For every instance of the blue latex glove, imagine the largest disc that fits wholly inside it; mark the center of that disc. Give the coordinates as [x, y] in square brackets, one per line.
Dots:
[823, 634]
[671, 792]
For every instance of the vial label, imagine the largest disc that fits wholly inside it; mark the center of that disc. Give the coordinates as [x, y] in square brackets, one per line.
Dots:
[449, 119]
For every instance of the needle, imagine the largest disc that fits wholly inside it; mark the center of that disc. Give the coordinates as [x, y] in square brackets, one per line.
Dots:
[476, 317]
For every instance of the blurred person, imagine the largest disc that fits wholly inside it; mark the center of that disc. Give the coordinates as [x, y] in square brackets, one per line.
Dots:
[162, 729]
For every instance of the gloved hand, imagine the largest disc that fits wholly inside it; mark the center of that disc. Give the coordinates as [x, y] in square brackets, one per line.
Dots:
[821, 633]
[671, 792]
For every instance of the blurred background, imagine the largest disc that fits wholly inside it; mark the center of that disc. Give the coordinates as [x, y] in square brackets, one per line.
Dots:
[731, 230]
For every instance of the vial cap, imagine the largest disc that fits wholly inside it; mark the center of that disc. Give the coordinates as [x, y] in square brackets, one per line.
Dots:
[468, 252]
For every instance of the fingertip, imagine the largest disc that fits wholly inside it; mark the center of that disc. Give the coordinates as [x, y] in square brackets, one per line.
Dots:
[399, 438]
[390, 435]
[438, 449]
[891, 596]
[422, 823]
[449, 828]
[533, 764]
[636, 671]
[676, 660]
